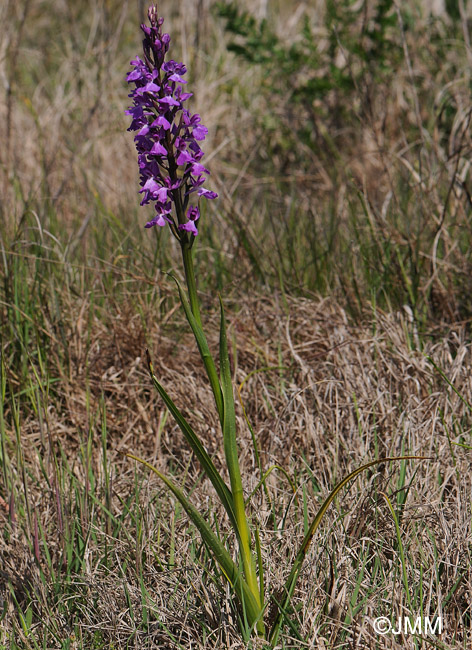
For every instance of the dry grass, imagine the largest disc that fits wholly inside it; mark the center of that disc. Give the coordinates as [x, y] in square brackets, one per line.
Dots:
[306, 242]
[347, 394]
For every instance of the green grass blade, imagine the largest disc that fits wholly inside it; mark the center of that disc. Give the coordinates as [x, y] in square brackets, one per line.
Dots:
[449, 383]
[221, 555]
[260, 565]
[289, 586]
[264, 477]
[232, 461]
[400, 548]
[193, 440]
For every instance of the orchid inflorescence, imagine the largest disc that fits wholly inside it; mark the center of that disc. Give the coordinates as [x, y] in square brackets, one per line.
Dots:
[169, 159]
[169, 154]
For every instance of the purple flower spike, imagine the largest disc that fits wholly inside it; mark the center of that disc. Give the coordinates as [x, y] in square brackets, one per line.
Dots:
[167, 135]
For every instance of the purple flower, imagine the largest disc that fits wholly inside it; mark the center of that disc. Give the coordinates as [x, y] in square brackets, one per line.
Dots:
[167, 135]
[193, 214]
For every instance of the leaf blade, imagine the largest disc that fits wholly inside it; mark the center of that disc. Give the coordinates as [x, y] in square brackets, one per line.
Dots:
[232, 461]
[200, 452]
[221, 555]
[291, 581]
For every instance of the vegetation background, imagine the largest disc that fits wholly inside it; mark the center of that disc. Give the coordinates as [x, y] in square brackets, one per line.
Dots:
[340, 147]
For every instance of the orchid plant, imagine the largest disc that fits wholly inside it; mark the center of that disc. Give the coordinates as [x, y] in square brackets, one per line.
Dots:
[172, 178]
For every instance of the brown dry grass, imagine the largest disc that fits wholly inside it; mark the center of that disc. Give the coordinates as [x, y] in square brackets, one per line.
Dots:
[347, 393]
[90, 298]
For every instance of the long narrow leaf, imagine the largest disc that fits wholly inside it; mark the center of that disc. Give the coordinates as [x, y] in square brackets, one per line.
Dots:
[289, 586]
[193, 440]
[449, 382]
[232, 461]
[221, 555]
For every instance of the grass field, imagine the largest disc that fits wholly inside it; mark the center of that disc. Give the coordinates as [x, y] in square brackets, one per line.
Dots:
[341, 242]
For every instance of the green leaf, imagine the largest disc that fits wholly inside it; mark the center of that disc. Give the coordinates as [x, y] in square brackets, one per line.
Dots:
[289, 586]
[221, 555]
[193, 440]
[232, 461]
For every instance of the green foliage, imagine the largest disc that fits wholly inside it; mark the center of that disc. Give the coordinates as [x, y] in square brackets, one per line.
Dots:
[453, 10]
[303, 74]
[247, 583]
[327, 102]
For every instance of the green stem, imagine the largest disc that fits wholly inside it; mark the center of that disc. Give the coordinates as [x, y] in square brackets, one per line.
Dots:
[193, 314]
[190, 279]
